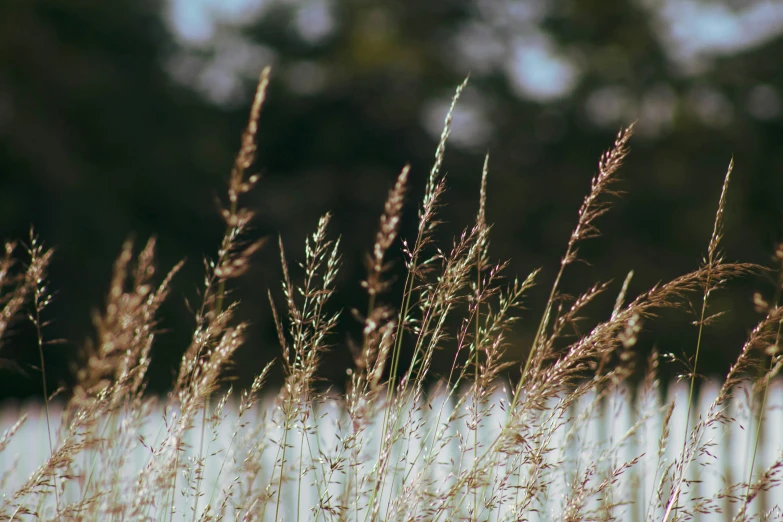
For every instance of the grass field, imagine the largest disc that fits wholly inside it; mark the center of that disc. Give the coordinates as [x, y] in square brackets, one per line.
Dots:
[569, 437]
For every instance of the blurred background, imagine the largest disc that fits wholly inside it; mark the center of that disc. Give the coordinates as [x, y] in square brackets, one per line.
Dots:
[121, 119]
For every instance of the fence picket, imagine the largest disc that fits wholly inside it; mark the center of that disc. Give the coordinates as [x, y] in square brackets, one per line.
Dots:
[579, 446]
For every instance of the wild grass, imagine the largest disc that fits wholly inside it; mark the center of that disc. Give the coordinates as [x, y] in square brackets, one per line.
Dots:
[398, 451]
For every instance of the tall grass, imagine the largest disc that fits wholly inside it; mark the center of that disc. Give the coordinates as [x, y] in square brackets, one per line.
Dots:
[399, 451]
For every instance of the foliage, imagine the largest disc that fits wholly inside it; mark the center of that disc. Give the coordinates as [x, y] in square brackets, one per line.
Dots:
[106, 133]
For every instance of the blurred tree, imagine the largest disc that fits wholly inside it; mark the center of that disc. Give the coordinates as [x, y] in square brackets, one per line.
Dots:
[93, 141]
[122, 119]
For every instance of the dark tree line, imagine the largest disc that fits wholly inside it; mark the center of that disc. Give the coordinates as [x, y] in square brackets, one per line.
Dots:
[108, 131]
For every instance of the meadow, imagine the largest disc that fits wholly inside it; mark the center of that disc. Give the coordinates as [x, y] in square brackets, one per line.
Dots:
[564, 434]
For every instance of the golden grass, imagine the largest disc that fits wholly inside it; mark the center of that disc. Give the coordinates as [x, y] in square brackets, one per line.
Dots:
[506, 477]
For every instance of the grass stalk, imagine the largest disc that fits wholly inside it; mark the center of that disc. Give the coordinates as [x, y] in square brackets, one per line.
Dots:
[773, 352]
[713, 254]
[39, 259]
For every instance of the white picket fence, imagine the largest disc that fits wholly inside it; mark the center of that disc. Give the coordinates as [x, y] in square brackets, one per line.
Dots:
[731, 449]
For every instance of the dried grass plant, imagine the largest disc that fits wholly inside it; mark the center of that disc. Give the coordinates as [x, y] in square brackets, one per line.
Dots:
[395, 453]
